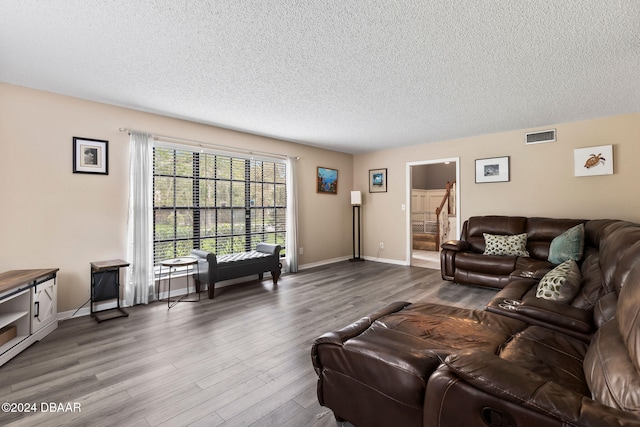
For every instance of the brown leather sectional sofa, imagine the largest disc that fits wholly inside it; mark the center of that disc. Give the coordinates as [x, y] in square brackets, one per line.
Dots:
[542, 363]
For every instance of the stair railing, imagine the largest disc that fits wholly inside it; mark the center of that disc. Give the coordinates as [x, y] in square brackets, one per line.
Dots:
[442, 216]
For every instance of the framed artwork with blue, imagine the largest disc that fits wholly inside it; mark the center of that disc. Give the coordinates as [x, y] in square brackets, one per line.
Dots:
[327, 181]
[378, 180]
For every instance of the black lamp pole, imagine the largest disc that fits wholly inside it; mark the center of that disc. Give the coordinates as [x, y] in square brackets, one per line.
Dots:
[356, 208]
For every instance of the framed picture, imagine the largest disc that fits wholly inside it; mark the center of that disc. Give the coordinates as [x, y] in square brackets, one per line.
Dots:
[327, 181]
[90, 156]
[495, 169]
[378, 180]
[593, 161]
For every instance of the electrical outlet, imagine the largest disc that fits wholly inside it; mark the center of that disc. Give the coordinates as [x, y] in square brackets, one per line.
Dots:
[381, 245]
[301, 251]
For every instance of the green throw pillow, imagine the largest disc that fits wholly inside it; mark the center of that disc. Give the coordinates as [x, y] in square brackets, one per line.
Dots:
[568, 245]
[515, 244]
[560, 284]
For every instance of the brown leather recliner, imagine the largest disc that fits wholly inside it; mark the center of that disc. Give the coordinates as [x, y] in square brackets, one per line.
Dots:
[462, 261]
[374, 372]
[542, 377]
[497, 370]
[608, 244]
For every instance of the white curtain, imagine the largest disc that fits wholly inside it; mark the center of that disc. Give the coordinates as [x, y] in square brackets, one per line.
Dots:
[292, 216]
[139, 288]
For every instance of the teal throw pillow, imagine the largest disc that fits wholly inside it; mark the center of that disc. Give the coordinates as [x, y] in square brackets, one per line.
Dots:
[512, 244]
[568, 245]
[560, 284]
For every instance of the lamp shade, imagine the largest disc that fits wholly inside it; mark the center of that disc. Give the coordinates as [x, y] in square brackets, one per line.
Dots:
[356, 198]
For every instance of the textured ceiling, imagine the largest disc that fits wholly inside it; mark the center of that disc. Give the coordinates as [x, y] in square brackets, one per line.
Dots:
[347, 75]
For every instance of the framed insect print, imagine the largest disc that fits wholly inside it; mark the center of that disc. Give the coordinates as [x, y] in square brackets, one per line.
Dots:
[592, 161]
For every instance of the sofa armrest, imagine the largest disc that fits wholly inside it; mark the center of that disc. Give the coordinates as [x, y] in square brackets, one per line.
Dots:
[530, 274]
[555, 313]
[340, 336]
[508, 381]
[269, 248]
[456, 245]
[207, 262]
[448, 257]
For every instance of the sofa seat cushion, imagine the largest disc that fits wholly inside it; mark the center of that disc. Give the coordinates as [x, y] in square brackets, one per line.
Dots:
[554, 356]
[242, 257]
[490, 264]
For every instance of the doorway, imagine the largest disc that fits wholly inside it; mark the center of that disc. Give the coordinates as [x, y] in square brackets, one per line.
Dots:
[427, 184]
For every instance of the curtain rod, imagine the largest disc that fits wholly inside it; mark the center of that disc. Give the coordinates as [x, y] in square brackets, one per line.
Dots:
[210, 145]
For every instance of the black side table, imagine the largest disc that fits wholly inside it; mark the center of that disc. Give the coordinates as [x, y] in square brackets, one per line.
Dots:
[172, 264]
[105, 285]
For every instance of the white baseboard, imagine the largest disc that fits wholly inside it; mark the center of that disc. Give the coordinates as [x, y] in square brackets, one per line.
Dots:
[321, 263]
[346, 258]
[387, 260]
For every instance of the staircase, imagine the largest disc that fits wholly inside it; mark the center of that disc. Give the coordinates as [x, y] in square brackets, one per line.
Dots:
[428, 228]
[425, 242]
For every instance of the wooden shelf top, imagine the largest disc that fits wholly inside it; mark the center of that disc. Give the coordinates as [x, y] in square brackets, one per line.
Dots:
[15, 278]
[108, 265]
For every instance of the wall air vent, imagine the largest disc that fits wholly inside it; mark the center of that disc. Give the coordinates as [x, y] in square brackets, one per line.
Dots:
[540, 136]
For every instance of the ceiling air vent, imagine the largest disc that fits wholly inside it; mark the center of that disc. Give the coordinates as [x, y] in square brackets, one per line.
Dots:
[540, 137]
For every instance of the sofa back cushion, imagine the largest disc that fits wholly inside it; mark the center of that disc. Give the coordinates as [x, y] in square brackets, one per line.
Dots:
[542, 231]
[618, 253]
[628, 309]
[612, 362]
[610, 374]
[591, 289]
[476, 226]
[596, 230]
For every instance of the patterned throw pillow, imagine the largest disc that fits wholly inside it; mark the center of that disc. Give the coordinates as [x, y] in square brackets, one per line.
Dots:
[560, 284]
[515, 244]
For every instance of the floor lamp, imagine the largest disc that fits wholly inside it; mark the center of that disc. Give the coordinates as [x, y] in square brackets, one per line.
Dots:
[356, 201]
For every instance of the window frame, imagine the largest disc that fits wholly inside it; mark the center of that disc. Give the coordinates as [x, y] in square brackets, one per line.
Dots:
[244, 233]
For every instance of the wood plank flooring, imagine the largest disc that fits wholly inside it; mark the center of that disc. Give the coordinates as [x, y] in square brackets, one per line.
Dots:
[241, 359]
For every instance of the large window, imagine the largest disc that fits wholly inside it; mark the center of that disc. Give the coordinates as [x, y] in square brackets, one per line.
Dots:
[215, 203]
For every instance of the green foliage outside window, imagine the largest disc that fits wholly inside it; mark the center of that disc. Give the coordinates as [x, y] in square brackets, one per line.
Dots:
[215, 203]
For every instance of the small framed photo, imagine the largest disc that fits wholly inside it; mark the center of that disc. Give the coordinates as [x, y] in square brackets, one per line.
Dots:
[592, 161]
[378, 180]
[495, 169]
[327, 181]
[90, 156]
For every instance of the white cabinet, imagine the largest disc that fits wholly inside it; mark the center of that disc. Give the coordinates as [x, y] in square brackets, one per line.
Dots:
[28, 309]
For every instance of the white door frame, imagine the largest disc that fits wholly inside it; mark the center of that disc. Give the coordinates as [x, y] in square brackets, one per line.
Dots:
[409, 247]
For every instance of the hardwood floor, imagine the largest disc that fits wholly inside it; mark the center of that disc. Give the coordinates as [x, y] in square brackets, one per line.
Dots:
[241, 359]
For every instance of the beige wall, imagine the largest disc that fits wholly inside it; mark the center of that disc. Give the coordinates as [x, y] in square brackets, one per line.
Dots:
[542, 181]
[54, 218]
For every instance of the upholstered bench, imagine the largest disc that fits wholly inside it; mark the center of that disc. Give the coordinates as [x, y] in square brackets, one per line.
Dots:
[213, 268]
